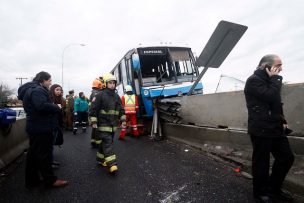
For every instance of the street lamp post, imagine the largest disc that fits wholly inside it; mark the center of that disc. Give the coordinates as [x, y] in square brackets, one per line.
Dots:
[67, 46]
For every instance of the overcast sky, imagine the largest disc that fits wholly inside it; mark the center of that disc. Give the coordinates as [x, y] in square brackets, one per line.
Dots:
[35, 33]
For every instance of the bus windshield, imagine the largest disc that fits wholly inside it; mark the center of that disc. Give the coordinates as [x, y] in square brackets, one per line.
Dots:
[166, 65]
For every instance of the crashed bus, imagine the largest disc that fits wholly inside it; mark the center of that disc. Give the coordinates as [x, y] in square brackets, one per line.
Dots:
[157, 72]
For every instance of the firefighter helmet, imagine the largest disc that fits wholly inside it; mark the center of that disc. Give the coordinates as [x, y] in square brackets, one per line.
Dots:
[97, 84]
[109, 77]
[128, 88]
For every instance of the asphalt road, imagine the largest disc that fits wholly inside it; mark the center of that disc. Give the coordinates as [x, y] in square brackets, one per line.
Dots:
[148, 172]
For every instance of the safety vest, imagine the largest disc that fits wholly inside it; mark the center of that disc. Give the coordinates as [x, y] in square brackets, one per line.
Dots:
[130, 103]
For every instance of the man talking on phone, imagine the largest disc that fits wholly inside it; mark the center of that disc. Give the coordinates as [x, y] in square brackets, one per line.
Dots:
[266, 126]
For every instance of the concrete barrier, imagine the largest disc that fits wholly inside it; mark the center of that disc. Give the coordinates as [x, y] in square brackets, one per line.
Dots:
[229, 109]
[13, 142]
[235, 147]
[238, 140]
[220, 120]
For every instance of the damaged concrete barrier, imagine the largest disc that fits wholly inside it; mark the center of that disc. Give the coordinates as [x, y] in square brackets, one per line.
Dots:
[13, 142]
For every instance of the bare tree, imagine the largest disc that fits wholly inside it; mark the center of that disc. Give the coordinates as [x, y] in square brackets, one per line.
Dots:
[5, 92]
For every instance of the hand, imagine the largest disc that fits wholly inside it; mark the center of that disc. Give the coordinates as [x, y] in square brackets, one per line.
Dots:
[59, 105]
[94, 125]
[285, 126]
[273, 71]
[123, 123]
[75, 113]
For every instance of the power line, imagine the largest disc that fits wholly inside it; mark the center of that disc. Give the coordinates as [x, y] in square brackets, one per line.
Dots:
[21, 78]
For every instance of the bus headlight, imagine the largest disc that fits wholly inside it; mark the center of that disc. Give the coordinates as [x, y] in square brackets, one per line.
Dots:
[146, 92]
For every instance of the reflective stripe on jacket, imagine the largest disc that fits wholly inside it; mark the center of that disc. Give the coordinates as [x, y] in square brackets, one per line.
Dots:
[130, 103]
[107, 110]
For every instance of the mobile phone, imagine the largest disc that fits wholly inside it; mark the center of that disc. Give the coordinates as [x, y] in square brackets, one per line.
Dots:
[268, 66]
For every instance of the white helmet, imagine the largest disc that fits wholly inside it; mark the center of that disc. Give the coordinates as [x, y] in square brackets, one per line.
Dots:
[128, 88]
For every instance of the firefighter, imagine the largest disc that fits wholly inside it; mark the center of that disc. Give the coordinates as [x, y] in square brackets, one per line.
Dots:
[106, 112]
[130, 103]
[96, 88]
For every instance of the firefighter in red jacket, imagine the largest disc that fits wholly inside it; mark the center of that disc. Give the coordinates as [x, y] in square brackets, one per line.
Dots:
[130, 103]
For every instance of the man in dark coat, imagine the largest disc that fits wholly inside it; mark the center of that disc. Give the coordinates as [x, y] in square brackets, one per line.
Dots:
[266, 125]
[69, 110]
[41, 123]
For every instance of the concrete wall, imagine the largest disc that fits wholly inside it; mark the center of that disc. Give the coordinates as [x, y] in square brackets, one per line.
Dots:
[12, 144]
[234, 139]
[229, 109]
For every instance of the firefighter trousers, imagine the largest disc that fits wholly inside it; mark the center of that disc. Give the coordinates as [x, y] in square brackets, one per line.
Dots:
[105, 153]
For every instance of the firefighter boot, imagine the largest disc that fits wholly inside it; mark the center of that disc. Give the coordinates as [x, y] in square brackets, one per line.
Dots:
[113, 169]
[74, 131]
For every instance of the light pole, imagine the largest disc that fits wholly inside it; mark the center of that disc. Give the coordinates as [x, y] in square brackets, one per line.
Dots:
[67, 46]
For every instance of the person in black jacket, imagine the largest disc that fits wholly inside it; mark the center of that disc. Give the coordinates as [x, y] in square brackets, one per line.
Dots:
[266, 125]
[56, 93]
[41, 122]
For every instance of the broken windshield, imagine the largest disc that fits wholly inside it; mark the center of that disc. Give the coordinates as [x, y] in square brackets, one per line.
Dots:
[165, 65]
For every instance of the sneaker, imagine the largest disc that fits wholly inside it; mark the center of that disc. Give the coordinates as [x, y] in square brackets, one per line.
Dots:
[60, 183]
[113, 169]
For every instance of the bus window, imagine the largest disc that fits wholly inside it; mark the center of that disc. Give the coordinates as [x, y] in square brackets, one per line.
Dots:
[185, 68]
[129, 62]
[117, 75]
[190, 67]
[123, 72]
[157, 70]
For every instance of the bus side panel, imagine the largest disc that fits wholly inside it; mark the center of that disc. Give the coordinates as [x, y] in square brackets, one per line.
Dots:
[148, 104]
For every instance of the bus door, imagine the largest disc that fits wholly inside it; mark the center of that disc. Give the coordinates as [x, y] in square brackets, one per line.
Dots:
[136, 67]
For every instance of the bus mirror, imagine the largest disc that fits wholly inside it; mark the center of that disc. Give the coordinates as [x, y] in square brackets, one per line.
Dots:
[135, 61]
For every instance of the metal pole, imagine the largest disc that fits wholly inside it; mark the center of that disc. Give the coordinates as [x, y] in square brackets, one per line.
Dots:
[197, 80]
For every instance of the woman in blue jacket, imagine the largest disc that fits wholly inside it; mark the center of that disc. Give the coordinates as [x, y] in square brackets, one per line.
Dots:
[41, 123]
[81, 107]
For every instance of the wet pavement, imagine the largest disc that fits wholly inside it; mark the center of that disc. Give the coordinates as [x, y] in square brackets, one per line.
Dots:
[149, 171]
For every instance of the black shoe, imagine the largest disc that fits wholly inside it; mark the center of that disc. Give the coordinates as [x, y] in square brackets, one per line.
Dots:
[263, 199]
[282, 195]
